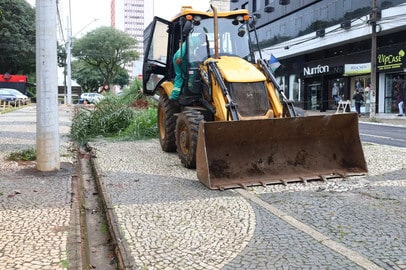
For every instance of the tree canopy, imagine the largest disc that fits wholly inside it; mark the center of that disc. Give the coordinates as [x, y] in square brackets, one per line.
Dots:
[86, 76]
[90, 79]
[106, 50]
[17, 37]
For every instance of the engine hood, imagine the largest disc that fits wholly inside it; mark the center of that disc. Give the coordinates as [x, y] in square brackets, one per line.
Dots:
[235, 69]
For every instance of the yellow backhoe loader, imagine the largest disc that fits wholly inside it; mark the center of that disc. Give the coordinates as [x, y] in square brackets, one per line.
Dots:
[231, 120]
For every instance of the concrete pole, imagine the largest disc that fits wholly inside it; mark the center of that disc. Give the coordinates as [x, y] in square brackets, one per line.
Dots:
[69, 61]
[372, 112]
[48, 157]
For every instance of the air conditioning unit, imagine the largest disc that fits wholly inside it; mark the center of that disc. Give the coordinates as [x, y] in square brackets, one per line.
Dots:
[284, 2]
[346, 25]
[269, 9]
[320, 33]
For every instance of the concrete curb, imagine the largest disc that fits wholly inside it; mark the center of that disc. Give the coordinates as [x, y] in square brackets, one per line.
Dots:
[75, 241]
[121, 249]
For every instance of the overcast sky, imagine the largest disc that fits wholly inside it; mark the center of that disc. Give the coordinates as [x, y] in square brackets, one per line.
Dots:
[87, 15]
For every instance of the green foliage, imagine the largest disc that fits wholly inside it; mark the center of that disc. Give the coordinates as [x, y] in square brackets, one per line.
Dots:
[104, 228]
[108, 118]
[17, 37]
[121, 77]
[61, 53]
[80, 130]
[111, 116]
[91, 79]
[86, 76]
[23, 155]
[65, 263]
[144, 125]
[136, 87]
[132, 93]
[107, 50]
[116, 117]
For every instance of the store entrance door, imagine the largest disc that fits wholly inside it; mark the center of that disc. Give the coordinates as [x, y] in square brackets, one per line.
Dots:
[314, 95]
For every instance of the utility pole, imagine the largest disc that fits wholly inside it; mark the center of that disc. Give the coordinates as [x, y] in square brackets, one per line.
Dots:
[69, 56]
[372, 113]
[47, 139]
[69, 61]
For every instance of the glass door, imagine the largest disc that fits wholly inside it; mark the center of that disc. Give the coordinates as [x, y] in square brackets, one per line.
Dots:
[314, 94]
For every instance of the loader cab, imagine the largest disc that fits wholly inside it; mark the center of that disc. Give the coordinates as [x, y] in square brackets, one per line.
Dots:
[163, 38]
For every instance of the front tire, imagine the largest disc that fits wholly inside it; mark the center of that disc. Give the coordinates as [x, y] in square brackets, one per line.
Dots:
[187, 129]
[167, 123]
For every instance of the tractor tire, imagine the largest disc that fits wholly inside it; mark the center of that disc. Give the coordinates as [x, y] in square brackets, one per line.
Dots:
[187, 130]
[167, 123]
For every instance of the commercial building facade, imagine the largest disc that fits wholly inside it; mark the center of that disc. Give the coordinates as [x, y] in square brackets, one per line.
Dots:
[128, 16]
[323, 44]
[133, 16]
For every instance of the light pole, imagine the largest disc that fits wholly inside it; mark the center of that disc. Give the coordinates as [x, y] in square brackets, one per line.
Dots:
[68, 62]
[372, 113]
[47, 139]
[69, 57]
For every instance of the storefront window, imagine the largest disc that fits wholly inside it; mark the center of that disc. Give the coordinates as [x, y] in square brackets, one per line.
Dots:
[395, 84]
[362, 84]
[314, 95]
[337, 90]
[294, 88]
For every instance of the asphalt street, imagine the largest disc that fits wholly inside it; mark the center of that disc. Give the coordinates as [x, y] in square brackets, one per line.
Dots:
[393, 135]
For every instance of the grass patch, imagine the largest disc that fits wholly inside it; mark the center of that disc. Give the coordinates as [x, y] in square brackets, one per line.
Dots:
[65, 264]
[104, 228]
[23, 155]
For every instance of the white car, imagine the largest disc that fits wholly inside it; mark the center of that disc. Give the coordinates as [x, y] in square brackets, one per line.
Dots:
[91, 98]
[21, 98]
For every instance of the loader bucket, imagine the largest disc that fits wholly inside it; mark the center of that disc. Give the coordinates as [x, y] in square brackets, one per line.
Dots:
[259, 152]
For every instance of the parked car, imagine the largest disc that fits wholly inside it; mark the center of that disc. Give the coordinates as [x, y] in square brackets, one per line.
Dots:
[21, 98]
[7, 98]
[90, 98]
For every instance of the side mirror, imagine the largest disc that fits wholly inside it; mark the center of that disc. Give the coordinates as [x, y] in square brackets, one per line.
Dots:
[187, 27]
[241, 31]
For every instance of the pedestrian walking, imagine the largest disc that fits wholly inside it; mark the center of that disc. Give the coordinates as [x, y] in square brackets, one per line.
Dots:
[359, 100]
[400, 103]
[335, 93]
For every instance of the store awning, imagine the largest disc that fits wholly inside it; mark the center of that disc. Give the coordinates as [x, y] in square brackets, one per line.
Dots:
[357, 69]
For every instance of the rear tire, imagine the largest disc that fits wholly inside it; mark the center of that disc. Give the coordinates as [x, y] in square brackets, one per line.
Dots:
[167, 123]
[187, 130]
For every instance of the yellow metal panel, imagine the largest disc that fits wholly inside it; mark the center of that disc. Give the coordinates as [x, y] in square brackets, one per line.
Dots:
[219, 103]
[235, 69]
[275, 102]
[191, 11]
[166, 88]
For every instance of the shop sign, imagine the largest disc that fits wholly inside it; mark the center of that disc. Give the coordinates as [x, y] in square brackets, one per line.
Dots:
[357, 69]
[317, 70]
[387, 61]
